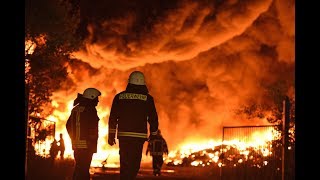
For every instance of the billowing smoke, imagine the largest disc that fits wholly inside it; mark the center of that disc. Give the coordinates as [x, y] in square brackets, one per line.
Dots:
[201, 59]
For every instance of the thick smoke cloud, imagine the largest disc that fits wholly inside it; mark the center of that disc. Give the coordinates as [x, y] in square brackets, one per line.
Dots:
[176, 33]
[202, 60]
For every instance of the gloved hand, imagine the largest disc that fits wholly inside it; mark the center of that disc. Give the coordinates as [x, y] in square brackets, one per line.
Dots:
[111, 141]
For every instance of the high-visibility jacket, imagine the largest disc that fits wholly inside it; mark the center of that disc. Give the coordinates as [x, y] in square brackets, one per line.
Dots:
[131, 111]
[157, 146]
[82, 126]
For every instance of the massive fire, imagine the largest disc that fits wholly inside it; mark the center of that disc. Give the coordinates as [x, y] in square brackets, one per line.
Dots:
[198, 152]
[201, 62]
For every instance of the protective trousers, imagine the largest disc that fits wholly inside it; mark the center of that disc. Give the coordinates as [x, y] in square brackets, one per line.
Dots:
[130, 151]
[157, 161]
[83, 159]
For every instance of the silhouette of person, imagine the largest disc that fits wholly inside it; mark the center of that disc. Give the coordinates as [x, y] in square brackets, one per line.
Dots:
[61, 146]
[31, 152]
[82, 127]
[54, 149]
[131, 111]
[157, 147]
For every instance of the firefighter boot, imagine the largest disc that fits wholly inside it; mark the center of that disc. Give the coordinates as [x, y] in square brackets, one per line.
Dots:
[156, 172]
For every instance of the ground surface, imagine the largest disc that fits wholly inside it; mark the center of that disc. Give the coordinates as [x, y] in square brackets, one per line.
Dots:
[62, 170]
[42, 169]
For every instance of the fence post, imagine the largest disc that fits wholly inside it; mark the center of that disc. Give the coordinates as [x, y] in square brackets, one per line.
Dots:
[285, 137]
[221, 151]
[26, 129]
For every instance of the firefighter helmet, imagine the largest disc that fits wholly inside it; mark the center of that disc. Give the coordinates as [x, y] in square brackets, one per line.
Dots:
[91, 93]
[137, 78]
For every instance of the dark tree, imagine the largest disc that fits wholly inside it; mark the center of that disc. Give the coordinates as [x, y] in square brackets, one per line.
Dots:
[50, 36]
[274, 96]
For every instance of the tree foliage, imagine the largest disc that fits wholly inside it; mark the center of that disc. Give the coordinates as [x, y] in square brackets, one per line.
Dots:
[271, 107]
[51, 26]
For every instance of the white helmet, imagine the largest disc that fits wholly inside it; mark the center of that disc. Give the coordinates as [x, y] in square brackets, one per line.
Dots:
[137, 78]
[91, 93]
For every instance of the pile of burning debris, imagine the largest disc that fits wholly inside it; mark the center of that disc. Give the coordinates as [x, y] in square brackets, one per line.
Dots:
[223, 155]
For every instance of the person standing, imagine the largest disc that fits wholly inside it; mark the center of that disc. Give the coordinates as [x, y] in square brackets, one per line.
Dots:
[61, 146]
[131, 111]
[53, 151]
[157, 148]
[82, 127]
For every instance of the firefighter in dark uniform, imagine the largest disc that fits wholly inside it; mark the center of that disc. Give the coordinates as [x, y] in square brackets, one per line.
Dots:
[130, 114]
[82, 127]
[157, 148]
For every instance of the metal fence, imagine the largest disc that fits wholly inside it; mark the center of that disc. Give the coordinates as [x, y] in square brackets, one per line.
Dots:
[251, 153]
[39, 130]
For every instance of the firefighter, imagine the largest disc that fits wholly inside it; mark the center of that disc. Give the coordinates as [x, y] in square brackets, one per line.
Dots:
[53, 151]
[61, 146]
[131, 111]
[82, 127]
[157, 147]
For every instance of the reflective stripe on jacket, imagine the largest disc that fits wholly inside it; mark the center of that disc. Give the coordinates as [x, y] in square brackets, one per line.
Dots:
[157, 146]
[131, 111]
[82, 127]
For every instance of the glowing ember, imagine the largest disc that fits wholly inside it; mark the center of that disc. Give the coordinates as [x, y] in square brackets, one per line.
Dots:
[29, 47]
[205, 154]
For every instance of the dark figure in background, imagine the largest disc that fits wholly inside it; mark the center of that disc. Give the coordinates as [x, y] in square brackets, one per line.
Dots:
[157, 147]
[82, 127]
[61, 146]
[54, 149]
[31, 153]
[130, 114]
[186, 161]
